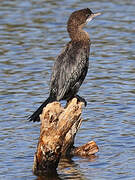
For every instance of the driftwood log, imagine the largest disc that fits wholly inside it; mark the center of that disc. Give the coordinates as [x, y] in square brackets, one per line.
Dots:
[57, 133]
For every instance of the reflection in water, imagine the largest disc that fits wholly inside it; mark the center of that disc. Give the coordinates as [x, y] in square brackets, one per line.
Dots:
[51, 177]
[68, 169]
[32, 33]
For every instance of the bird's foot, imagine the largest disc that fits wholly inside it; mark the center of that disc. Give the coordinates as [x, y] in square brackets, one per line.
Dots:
[81, 99]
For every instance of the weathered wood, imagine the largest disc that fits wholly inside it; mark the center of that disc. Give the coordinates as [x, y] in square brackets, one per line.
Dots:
[58, 129]
[86, 150]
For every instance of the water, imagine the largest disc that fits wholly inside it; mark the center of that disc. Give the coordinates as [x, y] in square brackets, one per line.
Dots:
[32, 34]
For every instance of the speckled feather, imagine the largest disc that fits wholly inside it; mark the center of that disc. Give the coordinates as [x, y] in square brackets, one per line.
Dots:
[69, 70]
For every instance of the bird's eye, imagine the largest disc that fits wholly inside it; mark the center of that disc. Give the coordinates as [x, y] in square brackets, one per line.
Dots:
[87, 15]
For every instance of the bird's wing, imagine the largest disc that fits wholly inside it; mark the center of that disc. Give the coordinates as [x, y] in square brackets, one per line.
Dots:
[68, 68]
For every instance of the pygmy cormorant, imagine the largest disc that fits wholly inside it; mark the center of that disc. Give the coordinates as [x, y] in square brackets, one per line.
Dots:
[71, 66]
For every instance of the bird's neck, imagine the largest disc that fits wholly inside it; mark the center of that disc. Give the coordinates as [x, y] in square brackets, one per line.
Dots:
[78, 34]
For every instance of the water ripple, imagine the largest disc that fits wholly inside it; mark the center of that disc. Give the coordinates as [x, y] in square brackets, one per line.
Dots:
[32, 33]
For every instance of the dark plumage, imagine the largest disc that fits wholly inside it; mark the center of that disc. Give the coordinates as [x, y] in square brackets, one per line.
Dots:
[71, 65]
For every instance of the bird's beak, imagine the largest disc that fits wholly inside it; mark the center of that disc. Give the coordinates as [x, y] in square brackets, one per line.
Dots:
[92, 16]
[95, 14]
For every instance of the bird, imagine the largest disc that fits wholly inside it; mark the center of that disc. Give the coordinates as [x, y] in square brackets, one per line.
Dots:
[71, 65]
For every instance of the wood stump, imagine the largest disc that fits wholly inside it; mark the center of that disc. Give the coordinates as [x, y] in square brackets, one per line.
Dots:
[57, 133]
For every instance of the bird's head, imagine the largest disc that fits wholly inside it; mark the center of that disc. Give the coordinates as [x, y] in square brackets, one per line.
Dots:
[80, 18]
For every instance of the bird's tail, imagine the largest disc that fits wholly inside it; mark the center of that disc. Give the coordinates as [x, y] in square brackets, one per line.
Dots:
[35, 116]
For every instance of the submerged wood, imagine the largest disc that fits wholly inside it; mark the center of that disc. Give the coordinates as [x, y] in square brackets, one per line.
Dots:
[57, 133]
